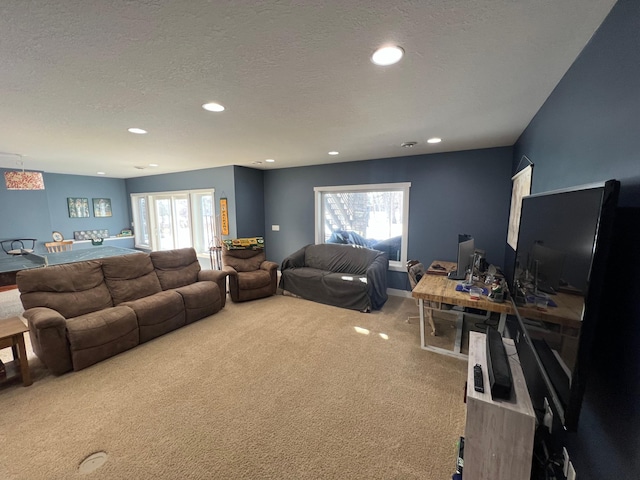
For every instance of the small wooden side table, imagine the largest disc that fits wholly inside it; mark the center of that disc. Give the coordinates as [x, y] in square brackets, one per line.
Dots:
[12, 335]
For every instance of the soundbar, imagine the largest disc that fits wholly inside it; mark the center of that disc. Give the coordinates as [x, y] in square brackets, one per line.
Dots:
[500, 380]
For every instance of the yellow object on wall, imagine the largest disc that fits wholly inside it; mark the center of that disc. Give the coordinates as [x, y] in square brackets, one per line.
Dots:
[255, 243]
[224, 216]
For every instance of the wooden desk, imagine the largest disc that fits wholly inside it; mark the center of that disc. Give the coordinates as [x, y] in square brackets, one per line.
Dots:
[438, 290]
[435, 291]
[12, 335]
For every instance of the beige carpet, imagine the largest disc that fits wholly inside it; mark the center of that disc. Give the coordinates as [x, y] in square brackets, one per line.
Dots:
[279, 388]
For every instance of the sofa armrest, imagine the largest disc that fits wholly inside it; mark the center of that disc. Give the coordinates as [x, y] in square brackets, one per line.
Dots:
[272, 268]
[212, 275]
[48, 335]
[377, 281]
[295, 260]
[232, 272]
[268, 266]
[220, 278]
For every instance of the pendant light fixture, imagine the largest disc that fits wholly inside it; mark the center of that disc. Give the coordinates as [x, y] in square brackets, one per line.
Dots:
[22, 180]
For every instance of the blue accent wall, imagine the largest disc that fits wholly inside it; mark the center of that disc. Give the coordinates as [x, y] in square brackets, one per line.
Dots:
[24, 213]
[451, 193]
[221, 179]
[60, 187]
[249, 188]
[37, 213]
[587, 131]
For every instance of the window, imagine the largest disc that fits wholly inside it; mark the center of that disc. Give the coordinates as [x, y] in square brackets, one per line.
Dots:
[168, 220]
[373, 216]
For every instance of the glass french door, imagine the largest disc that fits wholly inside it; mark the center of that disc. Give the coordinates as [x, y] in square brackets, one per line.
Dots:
[172, 221]
[204, 225]
[169, 220]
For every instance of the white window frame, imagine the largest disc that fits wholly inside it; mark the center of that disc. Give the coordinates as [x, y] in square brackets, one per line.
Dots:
[150, 197]
[394, 265]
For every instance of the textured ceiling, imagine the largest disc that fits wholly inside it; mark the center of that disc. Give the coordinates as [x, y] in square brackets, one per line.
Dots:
[294, 76]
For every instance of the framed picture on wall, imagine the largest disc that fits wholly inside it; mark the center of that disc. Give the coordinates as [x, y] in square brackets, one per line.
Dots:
[78, 207]
[101, 207]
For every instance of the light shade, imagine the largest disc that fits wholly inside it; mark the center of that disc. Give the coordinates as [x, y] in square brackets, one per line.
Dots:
[24, 180]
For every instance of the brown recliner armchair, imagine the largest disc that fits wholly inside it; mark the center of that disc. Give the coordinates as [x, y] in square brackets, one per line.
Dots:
[251, 275]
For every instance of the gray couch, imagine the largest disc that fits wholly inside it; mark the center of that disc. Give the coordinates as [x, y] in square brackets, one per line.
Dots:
[82, 313]
[346, 276]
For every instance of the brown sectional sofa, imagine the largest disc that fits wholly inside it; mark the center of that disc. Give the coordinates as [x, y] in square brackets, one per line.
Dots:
[82, 313]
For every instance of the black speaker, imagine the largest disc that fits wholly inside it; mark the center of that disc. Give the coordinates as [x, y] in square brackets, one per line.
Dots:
[500, 380]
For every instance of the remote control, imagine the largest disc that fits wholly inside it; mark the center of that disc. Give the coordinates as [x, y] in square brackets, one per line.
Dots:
[478, 382]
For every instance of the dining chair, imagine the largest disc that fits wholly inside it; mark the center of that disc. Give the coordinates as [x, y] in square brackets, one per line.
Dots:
[64, 246]
[17, 246]
[415, 271]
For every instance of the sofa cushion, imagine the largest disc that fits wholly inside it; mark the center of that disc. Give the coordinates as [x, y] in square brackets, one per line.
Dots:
[158, 314]
[340, 289]
[176, 268]
[72, 289]
[255, 279]
[340, 258]
[130, 277]
[201, 299]
[243, 260]
[99, 335]
[300, 280]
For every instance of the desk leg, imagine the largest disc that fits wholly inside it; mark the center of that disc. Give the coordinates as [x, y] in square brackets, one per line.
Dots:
[459, 325]
[501, 323]
[423, 343]
[430, 316]
[453, 353]
[24, 363]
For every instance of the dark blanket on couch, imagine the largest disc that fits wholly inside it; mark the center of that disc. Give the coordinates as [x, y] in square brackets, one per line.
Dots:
[346, 276]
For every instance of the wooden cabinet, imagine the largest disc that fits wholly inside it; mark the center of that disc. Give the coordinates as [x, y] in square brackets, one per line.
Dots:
[498, 433]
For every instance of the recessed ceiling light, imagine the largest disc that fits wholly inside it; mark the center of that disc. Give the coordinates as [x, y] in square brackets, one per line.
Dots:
[153, 164]
[100, 173]
[408, 144]
[269, 160]
[387, 55]
[257, 162]
[434, 140]
[334, 153]
[138, 131]
[213, 107]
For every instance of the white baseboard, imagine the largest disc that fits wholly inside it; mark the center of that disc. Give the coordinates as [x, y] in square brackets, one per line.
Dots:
[398, 293]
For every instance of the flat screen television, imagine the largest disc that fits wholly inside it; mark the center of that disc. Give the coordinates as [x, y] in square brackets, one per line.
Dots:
[466, 249]
[562, 250]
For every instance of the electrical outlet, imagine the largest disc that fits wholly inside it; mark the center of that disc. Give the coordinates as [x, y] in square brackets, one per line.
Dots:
[547, 421]
[275, 228]
[572, 472]
[565, 459]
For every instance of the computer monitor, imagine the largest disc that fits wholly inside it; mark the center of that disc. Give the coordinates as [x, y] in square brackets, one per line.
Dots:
[466, 249]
